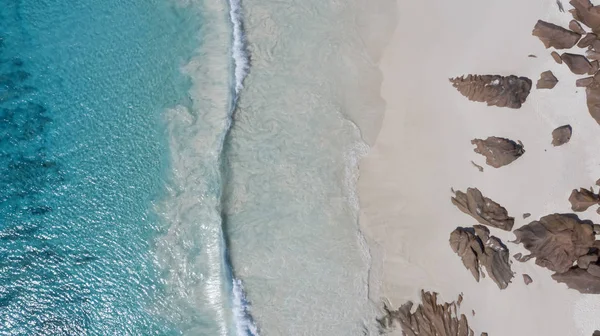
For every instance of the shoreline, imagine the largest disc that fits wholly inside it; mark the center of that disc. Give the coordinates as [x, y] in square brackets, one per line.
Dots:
[423, 149]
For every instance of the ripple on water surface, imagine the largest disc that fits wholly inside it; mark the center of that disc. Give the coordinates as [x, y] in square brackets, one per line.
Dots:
[83, 87]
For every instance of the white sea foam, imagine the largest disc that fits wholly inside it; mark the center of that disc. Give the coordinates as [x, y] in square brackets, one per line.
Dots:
[192, 250]
[239, 52]
[243, 320]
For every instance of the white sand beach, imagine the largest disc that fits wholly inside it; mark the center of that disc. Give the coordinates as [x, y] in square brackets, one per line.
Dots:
[423, 149]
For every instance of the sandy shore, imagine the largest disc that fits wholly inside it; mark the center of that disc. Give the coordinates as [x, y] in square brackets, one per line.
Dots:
[423, 149]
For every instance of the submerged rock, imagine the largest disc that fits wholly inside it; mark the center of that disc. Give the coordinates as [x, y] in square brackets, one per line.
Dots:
[555, 36]
[556, 241]
[483, 209]
[498, 151]
[429, 319]
[582, 199]
[578, 64]
[547, 80]
[478, 249]
[561, 135]
[510, 91]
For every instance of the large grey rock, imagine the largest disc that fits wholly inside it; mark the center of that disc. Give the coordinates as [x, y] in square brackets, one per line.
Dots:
[555, 36]
[557, 240]
[478, 249]
[578, 64]
[483, 209]
[498, 151]
[502, 91]
[580, 280]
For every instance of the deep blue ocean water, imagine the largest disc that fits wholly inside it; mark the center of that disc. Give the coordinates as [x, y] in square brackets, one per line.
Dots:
[83, 158]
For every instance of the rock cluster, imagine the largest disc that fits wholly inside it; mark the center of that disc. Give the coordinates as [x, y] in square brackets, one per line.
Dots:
[429, 319]
[478, 250]
[567, 246]
[551, 35]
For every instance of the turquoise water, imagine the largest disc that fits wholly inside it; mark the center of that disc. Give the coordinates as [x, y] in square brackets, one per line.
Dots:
[83, 158]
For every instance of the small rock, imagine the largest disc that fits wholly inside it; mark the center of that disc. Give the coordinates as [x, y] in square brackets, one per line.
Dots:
[555, 36]
[583, 82]
[547, 80]
[532, 56]
[582, 199]
[480, 168]
[592, 54]
[526, 215]
[594, 270]
[578, 64]
[596, 228]
[561, 135]
[527, 279]
[576, 27]
[521, 258]
[592, 96]
[556, 57]
[587, 40]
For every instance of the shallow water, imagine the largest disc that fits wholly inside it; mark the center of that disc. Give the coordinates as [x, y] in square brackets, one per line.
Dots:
[290, 206]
